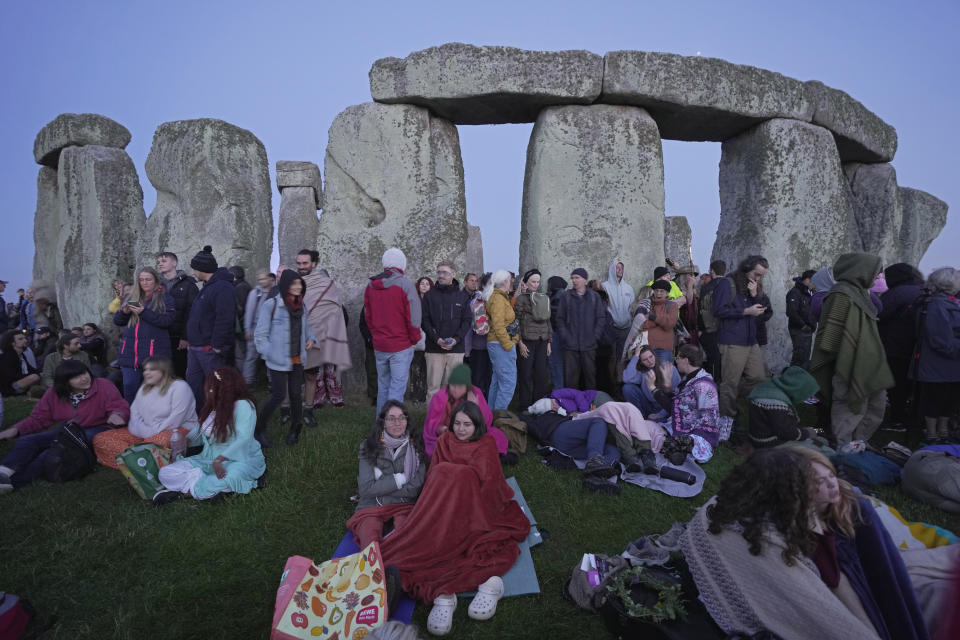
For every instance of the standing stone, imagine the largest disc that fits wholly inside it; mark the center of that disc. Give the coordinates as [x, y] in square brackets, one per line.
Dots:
[46, 226]
[101, 215]
[77, 130]
[213, 188]
[677, 240]
[783, 195]
[592, 192]
[301, 194]
[474, 262]
[924, 216]
[393, 177]
[487, 85]
[877, 208]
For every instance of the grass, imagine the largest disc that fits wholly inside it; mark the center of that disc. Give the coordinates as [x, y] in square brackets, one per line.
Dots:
[98, 562]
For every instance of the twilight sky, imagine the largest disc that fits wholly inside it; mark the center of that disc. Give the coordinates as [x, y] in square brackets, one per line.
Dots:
[284, 70]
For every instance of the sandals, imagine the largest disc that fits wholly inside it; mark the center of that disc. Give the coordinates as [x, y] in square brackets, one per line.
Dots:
[484, 604]
[440, 620]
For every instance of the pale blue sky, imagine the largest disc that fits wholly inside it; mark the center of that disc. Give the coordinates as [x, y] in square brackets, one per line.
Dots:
[284, 70]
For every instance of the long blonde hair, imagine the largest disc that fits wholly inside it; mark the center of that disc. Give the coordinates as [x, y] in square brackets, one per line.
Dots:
[163, 365]
[840, 516]
[157, 304]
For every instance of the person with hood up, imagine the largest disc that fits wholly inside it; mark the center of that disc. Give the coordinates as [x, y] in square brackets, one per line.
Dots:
[773, 408]
[897, 323]
[393, 316]
[283, 337]
[210, 326]
[621, 297]
[848, 361]
[800, 324]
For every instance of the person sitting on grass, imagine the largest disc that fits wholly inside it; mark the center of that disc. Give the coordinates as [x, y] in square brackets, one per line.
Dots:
[643, 375]
[393, 466]
[464, 530]
[163, 405]
[439, 413]
[785, 547]
[18, 365]
[93, 404]
[68, 347]
[231, 460]
[773, 408]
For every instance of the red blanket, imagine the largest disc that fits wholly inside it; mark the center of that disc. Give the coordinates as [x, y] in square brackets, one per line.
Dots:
[465, 526]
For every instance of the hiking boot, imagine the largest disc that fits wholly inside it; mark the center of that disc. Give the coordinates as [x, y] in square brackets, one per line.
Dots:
[556, 460]
[294, 436]
[284, 415]
[599, 468]
[6, 484]
[649, 459]
[634, 465]
[165, 496]
[309, 419]
[599, 485]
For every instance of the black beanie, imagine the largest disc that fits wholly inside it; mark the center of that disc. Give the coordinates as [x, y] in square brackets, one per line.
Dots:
[901, 273]
[204, 261]
[659, 272]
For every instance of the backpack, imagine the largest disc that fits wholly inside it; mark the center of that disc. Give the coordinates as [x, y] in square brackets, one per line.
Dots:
[707, 318]
[540, 306]
[69, 456]
[481, 325]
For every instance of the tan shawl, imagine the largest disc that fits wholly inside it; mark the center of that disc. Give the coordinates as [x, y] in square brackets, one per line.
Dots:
[325, 315]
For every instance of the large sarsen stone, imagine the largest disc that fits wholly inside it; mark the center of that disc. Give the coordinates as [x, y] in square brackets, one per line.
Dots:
[677, 240]
[487, 85]
[593, 191]
[77, 130]
[46, 226]
[924, 216]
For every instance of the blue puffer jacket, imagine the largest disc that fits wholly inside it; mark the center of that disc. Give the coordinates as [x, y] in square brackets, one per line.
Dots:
[940, 342]
[213, 315]
[149, 337]
[272, 335]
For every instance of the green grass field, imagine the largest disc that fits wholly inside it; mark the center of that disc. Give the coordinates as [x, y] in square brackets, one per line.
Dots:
[105, 564]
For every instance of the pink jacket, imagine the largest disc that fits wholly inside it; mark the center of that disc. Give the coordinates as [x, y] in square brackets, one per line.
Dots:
[629, 421]
[102, 400]
[435, 416]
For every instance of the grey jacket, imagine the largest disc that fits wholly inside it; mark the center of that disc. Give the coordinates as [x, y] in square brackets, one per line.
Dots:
[374, 491]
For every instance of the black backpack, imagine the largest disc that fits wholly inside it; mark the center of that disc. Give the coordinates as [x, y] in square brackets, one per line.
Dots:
[70, 455]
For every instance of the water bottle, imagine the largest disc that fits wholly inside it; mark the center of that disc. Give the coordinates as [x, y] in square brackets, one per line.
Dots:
[178, 445]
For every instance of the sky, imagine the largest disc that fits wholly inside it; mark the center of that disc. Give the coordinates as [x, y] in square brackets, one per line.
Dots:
[284, 70]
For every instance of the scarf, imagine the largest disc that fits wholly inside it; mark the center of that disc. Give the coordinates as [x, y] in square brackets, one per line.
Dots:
[77, 398]
[747, 594]
[410, 460]
[294, 306]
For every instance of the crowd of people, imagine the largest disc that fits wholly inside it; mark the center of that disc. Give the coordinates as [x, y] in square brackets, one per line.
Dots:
[599, 373]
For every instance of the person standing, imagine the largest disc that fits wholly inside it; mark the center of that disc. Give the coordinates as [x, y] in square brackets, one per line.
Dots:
[481, 371]
[621, 297]
[848, 359]
[661, 321]
[393, 317]
[707, 322]
[330, 356]
[265, 282]
[581, 321]
[556, 287]
[241, 289]
[210, 325]
[737, 302]
[532, 308]
[446, 321]
[183, 289]
[502, 338]
[4, 318]
[897, 323]
[800, 323]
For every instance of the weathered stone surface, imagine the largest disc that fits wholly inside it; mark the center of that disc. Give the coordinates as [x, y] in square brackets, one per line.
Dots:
[593, 191]
[487, 85]
[101, 214]
[474, 263]
[695, 98]
[292, 173]
[923, 218]
[77, 130]
[678, 240]
[861, 135]
[783, 195]
[298, 222]
[877, 208]
[213, 188]
[46, 226]
[393, 177]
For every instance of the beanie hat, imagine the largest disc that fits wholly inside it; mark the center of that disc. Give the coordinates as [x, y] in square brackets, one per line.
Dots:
[556, 283]
[460, 375]
[530, 274]
[204, 260]
[901, 273]
[393, 257]
[659, 272]
[579, 271]
[661, 284]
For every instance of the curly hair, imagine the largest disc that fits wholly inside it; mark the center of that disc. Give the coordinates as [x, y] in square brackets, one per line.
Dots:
[223, 388]
[771, 488]
[373, 442]
[744, 268]
[843, 516]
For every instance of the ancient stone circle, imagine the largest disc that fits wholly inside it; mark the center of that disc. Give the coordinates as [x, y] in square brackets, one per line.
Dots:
[804, 176]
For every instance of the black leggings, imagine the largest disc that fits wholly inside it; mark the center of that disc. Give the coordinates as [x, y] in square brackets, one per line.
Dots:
[283, 383]
[939, 399]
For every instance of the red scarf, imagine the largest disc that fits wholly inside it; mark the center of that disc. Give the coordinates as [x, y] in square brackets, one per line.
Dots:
[293, 302]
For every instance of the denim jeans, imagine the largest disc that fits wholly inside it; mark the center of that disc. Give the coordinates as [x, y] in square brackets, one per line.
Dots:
[633, 394]
[504, 380]
[664, 355]
[131, 383]
[250, 359]
[556, 361]
[392, 372]
[584, 439]
[28, 453]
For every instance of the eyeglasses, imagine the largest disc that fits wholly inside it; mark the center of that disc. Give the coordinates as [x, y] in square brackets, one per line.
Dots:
[444, 272]
[395, 419]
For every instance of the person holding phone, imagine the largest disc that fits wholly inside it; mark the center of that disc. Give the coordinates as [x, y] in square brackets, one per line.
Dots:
[738, 302]
[147, 314]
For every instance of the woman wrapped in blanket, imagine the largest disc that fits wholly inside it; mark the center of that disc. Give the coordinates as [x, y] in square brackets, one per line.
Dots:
[464, 530]
[231, 460]
[393, 466]
[788, 548]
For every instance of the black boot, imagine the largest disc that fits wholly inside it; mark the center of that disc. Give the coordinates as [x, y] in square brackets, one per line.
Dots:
[649, 460]
[309, 419]
[284, 414]
[294, 434]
